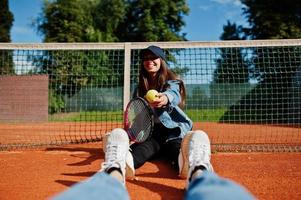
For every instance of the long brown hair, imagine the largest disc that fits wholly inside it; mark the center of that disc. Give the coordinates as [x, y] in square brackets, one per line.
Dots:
[160, 84]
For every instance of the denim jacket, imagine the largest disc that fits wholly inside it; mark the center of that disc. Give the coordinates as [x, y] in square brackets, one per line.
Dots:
[171, 115]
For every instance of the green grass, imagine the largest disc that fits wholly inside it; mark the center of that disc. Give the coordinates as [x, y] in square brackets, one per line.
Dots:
[87, 116]
[212, 115]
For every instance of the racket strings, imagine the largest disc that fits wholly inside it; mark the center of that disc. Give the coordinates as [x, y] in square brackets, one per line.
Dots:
[140, 121]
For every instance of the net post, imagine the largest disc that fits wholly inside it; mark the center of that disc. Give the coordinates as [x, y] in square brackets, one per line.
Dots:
[127, 73]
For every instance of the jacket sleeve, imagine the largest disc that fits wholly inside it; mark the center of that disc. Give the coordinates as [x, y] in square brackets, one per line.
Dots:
[173, 93]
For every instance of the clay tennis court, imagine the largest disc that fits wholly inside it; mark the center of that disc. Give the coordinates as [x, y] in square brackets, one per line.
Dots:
[44, 172]
[33, 134]
[41, 174]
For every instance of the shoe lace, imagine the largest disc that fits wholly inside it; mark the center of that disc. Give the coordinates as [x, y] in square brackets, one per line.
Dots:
[111, 155]
[198, 154]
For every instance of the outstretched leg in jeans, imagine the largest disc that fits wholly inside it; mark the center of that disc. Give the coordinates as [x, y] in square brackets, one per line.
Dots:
[202, 182]
[109, 182]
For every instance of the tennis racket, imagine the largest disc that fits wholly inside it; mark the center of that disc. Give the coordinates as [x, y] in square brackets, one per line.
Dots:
[138, 120]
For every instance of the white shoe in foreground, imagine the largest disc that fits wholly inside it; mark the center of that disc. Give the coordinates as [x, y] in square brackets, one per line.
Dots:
[116, 148]
[130, 170]
[195, 153]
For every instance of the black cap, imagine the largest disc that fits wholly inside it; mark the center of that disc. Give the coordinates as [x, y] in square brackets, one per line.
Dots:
[155, 50]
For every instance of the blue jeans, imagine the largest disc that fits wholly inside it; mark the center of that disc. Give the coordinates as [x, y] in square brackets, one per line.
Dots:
[99, 186]
[209, 186]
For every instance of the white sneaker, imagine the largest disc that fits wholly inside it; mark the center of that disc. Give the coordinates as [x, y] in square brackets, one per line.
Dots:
[195, 152]
[130, 170]
[116, 148]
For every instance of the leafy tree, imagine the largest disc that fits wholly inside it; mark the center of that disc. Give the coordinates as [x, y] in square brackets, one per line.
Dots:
[67, 21]
[96, 21]
[271, 19]
[71, 70]
[107, 17]
[232, 32]
[273, 67]
[153, 20]
[6, 22]
[112, 20]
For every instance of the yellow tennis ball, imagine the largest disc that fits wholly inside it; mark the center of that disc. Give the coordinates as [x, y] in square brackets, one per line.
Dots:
[151, 95]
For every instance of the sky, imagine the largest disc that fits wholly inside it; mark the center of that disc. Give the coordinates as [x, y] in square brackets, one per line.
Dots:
[204, 22]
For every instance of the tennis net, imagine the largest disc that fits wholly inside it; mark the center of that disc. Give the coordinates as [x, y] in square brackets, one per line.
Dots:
[245, 94]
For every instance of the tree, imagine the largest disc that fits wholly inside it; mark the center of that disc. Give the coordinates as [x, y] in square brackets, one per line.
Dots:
[273, 67]
[69, 71]
[272, 20]
[112, 20]
[67, 21]
[96, 21]
[107, 17]
[153, 20]
[6, 22]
